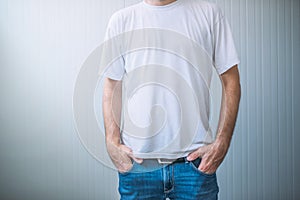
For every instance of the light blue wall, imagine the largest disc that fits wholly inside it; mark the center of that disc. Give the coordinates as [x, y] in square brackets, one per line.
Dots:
[42, 47]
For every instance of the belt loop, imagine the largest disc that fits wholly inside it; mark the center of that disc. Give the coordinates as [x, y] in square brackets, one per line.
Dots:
[161, 161]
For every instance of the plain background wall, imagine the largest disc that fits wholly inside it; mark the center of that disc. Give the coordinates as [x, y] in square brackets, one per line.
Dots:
[43, 44]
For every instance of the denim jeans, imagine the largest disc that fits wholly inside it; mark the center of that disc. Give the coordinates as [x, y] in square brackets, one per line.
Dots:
[178, 181]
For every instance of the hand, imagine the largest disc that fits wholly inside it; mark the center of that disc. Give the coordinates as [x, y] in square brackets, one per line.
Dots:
[121, 156]
[212, 156]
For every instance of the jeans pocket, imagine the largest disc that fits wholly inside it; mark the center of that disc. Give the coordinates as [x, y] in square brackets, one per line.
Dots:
[130, 170]
[195, 164]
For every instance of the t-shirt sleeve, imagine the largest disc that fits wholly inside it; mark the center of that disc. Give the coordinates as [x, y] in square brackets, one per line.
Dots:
[112, 63]
[224, 52]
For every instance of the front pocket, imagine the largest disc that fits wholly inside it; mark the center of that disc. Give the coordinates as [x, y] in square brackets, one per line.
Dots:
[195, 164]
[130, 170]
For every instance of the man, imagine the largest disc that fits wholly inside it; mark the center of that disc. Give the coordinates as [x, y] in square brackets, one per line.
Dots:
[154, 159]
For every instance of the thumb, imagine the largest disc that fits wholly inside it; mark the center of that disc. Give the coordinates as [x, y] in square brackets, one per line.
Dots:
[198, 153]
[138, 160]
[130, 154]
[193, 156]
[126, 149]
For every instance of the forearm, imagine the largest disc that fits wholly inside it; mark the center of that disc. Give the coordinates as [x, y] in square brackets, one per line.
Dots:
[111, 103]
[212, 155]
[230, 104]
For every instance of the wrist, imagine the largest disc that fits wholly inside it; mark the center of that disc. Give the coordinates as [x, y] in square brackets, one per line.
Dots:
[224, 139]
[113, 140]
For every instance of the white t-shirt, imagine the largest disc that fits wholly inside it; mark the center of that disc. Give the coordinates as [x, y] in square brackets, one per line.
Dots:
[166, 55]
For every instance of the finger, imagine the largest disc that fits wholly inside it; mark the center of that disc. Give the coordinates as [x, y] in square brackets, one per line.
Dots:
[125, 166]
[138, 160]
[203, 164]
[198, 153]
[122, 159]
[129, 153]
[206, 164]
[193, 156]
[126, 149]
[203, 150]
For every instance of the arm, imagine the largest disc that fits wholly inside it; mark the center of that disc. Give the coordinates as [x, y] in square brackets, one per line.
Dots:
[212, 155]
[230, 104]
[112, 104]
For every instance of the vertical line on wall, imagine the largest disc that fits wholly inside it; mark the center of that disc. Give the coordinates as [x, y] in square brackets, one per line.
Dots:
[283, 117]
[293, 103]
[271, 98]
[259, 100]
[230, 174]
[272, 86]
[288, 102]
[270, 106]
[284, 100]
[287, 95]
[242, 115]
[278, 125]
[247, 95]
[262, 94]
[286, 56]
[225, 187]
[257, 97]
[243, 123]
[233, 149]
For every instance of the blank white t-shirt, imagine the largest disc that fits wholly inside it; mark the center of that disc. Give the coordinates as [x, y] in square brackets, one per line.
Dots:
[153, 111]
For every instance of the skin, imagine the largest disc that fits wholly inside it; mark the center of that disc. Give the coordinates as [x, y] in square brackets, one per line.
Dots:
[212, 155]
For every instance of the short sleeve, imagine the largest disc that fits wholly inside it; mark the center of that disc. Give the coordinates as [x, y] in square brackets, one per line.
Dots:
[224, 52]
[112, 63]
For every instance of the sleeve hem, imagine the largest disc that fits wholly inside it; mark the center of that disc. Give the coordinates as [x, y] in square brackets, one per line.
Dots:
[117, 78]
[227, 66]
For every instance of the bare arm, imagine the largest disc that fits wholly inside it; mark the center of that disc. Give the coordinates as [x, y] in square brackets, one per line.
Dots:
[112, 104]
[213, 154]
[230, 104]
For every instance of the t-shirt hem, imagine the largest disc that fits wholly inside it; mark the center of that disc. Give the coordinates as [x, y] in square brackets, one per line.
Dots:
[160, 155]
[155, 155]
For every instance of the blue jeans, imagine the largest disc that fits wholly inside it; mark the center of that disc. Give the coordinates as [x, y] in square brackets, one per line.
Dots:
[179, 181]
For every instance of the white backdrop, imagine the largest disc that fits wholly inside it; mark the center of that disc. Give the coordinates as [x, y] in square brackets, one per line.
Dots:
[43, 44]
